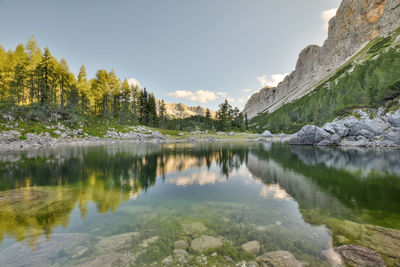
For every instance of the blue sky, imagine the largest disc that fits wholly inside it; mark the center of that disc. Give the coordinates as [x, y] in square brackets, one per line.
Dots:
[197, 52]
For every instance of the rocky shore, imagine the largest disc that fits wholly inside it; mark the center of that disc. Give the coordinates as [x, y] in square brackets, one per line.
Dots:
[60, 135]
[364, 128]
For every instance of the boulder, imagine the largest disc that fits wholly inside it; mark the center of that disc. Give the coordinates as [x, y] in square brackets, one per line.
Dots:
[252, 247]
[331, 140]
[336, 127]
[309, 135]
[359, 256]
[392, 138]
[280, 258]
[205, 242]
[364, 125]
[266, 134]
[394, 118]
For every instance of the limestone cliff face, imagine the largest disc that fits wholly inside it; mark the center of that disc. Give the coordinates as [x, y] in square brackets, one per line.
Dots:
[356, 23]
[182, 111]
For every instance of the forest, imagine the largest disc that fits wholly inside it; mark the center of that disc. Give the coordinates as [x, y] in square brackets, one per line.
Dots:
[36, 86]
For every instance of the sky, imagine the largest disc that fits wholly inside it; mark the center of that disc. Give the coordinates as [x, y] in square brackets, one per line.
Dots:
[197, 52]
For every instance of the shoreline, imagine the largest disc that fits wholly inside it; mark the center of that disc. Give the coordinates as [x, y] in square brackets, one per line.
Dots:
[49, 143]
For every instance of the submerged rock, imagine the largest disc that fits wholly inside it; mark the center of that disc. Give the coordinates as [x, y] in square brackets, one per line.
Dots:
[252, 247]
[333, 258]
[59, 246]
[384, 241]
[149, 241]
[194, 228]
[180, 244]
[115, 242]
[167, 261]
[280, 258]
[359, 256]
[205, 242]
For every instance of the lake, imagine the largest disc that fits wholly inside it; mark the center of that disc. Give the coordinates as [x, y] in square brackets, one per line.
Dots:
[133, 205]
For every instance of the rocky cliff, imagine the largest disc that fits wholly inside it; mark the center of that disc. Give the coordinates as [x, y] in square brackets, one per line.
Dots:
[356, 23]
[180, 110]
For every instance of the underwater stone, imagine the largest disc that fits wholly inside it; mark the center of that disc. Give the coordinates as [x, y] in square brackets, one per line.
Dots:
[333, 258]
[280, 258]
[195, 227]
[149, 241]
[167, 261]
[205, 242]
[359, 256]
[180, 244]
[252, 247]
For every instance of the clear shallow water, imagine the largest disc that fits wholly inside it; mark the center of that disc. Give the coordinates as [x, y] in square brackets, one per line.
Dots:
[127, 205]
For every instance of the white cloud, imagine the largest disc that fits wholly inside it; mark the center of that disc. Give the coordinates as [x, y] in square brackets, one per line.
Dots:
[326, 15]
[202, 96]
[271, 80]
[200, 178]
[134, 82]
[246, 90]
[230, 99]
[221, 94]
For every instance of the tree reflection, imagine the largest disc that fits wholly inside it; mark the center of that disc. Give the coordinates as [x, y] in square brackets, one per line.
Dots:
[40, 192]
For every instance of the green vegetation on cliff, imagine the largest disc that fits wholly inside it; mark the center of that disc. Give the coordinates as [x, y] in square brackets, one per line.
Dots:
[369, 79]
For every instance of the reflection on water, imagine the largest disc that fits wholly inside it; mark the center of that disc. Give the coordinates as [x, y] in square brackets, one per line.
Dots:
[127, 205]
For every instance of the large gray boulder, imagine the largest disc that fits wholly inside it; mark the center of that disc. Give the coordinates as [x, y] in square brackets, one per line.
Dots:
[391, 138]
[336, 127]
[365, 125]
[309, 135]
[331, 140]
[394, 118]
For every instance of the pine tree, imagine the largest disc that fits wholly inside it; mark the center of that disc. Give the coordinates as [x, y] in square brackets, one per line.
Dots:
[125, 99]
[162, 113]
[35, 57]
[144, 107]
[153, 119]
[82, 87]
[223, 116]
[246, 122]
[46, 69]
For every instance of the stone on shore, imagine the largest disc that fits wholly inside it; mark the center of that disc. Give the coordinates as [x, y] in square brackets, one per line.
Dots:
[309, 135]
[266, 134]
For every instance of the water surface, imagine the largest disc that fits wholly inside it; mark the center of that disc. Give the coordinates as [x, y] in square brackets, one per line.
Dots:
[127, 205]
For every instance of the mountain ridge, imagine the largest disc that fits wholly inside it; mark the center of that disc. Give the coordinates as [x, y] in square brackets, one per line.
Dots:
[356, 23]
[180, 111]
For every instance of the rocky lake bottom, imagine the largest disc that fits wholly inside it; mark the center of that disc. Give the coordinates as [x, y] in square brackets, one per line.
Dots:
[200, 204]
